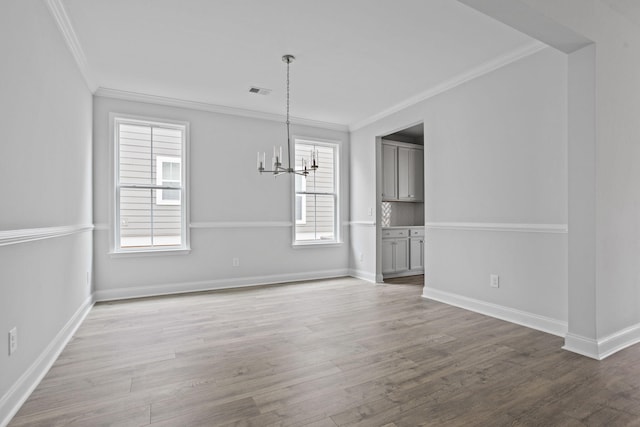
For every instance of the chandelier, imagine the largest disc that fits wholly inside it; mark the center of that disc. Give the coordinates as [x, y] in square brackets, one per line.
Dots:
[277, 163]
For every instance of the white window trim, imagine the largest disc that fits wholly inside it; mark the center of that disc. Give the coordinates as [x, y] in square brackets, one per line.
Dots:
[337, 167]
[114, 199]
[160, 160]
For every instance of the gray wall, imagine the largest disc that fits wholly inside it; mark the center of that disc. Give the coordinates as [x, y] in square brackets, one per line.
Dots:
[235, 212]
[45, 168]
[495, 152]
[614, 177]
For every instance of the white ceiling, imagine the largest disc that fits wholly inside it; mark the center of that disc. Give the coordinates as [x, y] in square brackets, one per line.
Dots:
[355, 58]
[628, 8]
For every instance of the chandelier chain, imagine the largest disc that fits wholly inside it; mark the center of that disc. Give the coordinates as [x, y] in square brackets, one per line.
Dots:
[288, 122]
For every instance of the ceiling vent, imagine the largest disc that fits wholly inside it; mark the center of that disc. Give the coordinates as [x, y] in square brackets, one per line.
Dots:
[259, 90]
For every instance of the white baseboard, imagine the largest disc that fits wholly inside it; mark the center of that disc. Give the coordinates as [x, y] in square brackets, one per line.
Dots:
[581, 345]
[210, 285]
[605, 347]
[524, 318]
[13, 399]
[364, 275]
[403, 274]
[619, 340]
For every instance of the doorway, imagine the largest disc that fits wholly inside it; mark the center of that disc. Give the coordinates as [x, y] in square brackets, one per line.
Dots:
[401, 234]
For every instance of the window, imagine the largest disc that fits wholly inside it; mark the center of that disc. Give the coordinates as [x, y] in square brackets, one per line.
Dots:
[150, 191]
[316, 196]
[168, 175]
[301, 200]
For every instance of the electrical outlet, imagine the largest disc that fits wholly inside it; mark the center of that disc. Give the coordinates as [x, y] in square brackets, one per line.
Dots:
[235, 262]
[370, 211]
[13, 341]
[361, 257]
[494, 281]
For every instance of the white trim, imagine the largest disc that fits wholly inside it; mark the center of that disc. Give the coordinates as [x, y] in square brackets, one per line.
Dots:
[12, 237]
[503, 226]
[148, 252]
[619, 340]
[115, 120]
[363, 275]
[213, 108]
[605, 347]
[524, 318]
[160, 179]
[214, 284]
[15, 397]
[482, 69]
[317, 244]
[581, 345]
[336, 148]
[240, 224]
[363, 223]
[66, 29]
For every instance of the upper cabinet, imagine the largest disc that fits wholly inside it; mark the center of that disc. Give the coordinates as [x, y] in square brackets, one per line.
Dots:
[389, 172]
[402, 172]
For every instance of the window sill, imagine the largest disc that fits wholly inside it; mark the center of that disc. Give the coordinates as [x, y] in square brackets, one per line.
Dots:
[316, 244]
[152, 252]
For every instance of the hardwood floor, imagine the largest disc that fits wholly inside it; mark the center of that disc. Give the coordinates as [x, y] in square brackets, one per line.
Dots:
[324, 353]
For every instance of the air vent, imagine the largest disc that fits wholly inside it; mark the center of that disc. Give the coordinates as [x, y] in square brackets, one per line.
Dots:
[259, 90]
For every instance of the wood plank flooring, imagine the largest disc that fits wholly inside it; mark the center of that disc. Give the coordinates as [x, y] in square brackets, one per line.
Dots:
[339, 352]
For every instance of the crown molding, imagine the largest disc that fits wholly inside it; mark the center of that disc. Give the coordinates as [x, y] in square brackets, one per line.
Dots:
[66, 29]
[213, 108]
[482, 69]
[61, 18]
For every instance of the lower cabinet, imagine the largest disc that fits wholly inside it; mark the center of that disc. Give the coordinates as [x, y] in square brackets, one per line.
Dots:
[416, 247]
[395, 255]
[402, 251]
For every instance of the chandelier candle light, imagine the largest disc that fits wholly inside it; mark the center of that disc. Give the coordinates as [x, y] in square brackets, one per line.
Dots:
[277, 167]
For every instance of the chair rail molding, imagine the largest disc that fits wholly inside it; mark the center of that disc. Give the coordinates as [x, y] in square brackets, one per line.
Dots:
[13, 237]
[504, 226]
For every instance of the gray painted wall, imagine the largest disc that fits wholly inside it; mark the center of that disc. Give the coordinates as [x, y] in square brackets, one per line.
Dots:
[45, 168]
[615, 177]
[495, 152]
[225, 188]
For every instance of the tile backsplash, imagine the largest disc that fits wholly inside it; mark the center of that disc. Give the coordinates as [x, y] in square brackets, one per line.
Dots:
[401, 214]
